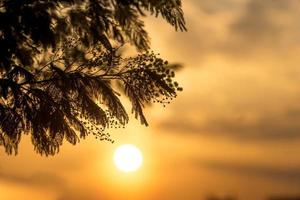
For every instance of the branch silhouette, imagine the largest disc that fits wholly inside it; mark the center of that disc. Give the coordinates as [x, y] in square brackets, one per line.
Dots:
[61, 73]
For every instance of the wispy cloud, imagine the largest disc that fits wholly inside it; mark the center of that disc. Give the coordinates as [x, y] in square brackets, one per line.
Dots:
[267, 126]
[287, 174]
[41, 179]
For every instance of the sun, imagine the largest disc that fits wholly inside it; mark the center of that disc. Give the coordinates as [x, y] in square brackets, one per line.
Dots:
[128, 158]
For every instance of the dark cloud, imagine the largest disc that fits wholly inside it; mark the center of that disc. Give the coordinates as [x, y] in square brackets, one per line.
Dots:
[42, 179]
[256, 23]
[214, 7]
[260, 27]
[254, 28]
[239, 28]
[79, 194]
[267, 126]
[288, 174]
[53, 182]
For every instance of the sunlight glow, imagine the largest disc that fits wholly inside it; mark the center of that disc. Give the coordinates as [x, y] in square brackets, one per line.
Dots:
[128, 158]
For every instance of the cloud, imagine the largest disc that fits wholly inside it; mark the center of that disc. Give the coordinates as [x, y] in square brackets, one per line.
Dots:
[256, 23]
[266, 126]
[238, 28]
[43, 179]
[79, 194]
[54, 184]
[264, 25]
[46, 183]
[254, 94]
[288, 174]
[215, 7]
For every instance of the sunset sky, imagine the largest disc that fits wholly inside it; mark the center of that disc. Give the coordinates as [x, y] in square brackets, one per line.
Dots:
[233, 131]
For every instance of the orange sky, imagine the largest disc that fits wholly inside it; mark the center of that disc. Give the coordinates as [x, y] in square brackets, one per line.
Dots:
[234, 130]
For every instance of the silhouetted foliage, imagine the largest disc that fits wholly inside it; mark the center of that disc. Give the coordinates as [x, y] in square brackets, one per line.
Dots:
[60, 68]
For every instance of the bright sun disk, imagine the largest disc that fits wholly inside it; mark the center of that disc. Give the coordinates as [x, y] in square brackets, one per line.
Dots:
[128, 158]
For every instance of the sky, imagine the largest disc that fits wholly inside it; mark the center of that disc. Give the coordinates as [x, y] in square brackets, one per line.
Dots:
[234, 131]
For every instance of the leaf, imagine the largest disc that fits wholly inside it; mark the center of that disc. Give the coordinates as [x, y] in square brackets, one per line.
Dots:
[20, 71]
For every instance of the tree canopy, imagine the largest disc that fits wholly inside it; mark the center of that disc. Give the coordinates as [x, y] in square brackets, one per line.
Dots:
[61, 74]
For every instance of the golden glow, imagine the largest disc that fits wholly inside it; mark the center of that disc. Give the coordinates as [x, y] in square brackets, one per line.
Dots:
[128, 158]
